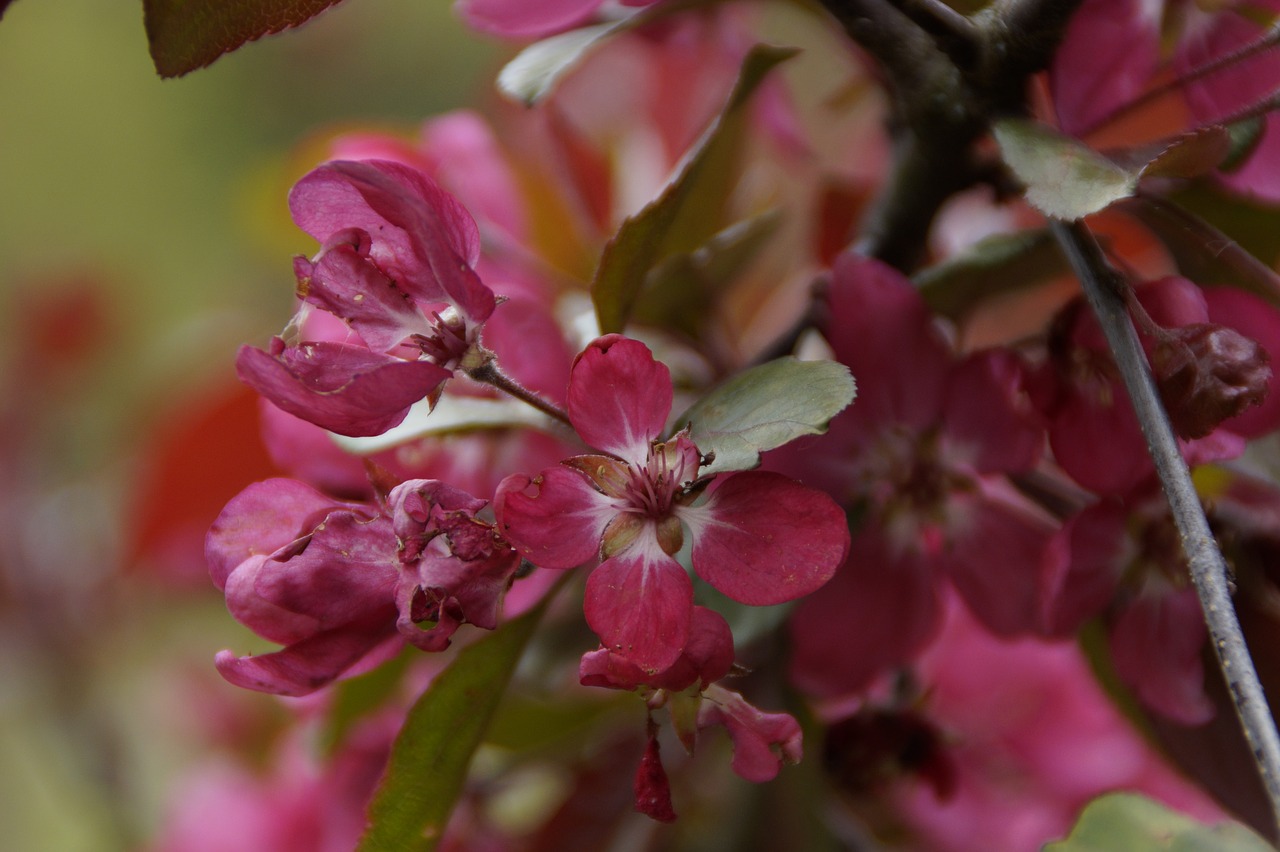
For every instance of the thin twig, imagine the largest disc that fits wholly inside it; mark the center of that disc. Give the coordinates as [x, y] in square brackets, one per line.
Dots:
[1103, 287]
[489, 374]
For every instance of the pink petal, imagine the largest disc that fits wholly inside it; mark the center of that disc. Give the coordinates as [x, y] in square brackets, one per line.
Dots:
[997, 551]
[1107, 57]
[260, 520]
[1156, 645]
[1083, 564]
[989, 423]
[351, 287]
[640, 604]
[707, 657]
[761, 741]
[556, 520]
[619, 397]
[882, 330]
[306, 666]
[471, 163]
[1096, 439]
[522, 19]
[880, 610]
[345, 389]
[347, 571]
[765, 539]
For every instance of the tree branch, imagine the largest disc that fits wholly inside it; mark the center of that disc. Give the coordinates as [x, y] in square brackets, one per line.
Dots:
[1103, 287]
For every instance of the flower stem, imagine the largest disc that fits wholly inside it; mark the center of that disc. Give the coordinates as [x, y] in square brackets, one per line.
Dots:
[489, 374]
[1104, 287]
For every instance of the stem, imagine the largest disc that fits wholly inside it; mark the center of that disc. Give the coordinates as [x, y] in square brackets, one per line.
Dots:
[489, 374]
[1104, 288]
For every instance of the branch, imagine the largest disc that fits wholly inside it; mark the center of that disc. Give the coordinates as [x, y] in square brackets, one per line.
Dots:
[1104, 287]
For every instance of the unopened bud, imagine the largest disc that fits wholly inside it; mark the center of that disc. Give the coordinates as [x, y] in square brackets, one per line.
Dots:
[1206, 374]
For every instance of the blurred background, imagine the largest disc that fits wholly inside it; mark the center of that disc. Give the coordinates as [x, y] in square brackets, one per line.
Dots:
[144, 237]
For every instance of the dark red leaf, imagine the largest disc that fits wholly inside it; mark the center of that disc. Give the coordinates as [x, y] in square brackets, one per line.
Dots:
[188, 34]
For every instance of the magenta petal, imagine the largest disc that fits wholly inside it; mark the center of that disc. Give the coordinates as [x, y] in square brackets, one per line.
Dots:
[765, 539]
[556, 519]
[1082, 568]
[306, 666]
[523, 19]
[443, 240]
[348, 570]
[989, 423]
[1096, 439]
[1107, 57]
[619, 397]
[879, 611]
[351, 287]
[877, 315]
[259, 520]
[997, 556]
[1156, 644]
[652, 789]
[640, 604]
[761, 741]
[345, 389]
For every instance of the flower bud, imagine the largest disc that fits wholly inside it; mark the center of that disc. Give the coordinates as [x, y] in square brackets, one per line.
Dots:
[1207, 373]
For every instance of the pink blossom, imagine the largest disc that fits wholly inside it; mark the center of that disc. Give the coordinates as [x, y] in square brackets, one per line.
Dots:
[759, 537]
[922, 457]
[396, 265]
[342, 585]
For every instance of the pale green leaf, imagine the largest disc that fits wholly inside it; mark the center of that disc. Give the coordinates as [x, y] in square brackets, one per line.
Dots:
[765, 407]
[1065, 178]
[535, 70]
[1126, 822]
[433, 751]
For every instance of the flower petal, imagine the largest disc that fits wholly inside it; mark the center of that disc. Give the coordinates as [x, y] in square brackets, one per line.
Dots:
[640, 603]
[556, 520]
[345, 389]
[762, 742]
[306, 666]
[353, 288]
[764, 539]
[260, 520]
[619, 397]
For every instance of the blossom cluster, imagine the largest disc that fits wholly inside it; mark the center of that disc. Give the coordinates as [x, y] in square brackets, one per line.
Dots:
[459, 434]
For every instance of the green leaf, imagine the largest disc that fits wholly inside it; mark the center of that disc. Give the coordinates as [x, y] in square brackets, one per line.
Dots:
[999, 264]
[765, 407]
[690, 208]
[355, 698]
[188, 34]
[534, 71]
[1065, 178]
[680, 291]
[1125, 822]
[429, 760]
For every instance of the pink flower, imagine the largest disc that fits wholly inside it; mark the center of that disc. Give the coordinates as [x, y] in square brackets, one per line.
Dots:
[396, 265]
[759, 538]
[530, 18]
[922, 457]
[342, 585]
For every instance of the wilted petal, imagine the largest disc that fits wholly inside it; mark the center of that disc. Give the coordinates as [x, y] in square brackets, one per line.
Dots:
[652, 789]
[764, 539]
[349, 286]
[619, 397]
[556, 519]
[762, 742]
[345, 389]
[347, 571]
[442, 238]
[306, 666]
[259, 520]
[640, 604]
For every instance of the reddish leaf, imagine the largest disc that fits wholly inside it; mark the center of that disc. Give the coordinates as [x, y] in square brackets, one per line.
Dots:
[188, 34]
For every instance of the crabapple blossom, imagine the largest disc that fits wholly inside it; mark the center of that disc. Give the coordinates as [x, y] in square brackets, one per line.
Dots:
[922, 458]
[343, 585]
[758, 537]
[396, 265]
